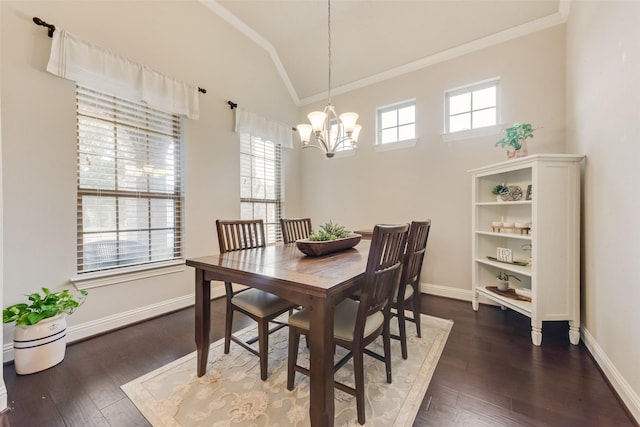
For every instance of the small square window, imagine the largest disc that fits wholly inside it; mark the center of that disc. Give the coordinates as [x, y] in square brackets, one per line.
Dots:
[396, 123]
[472, 107]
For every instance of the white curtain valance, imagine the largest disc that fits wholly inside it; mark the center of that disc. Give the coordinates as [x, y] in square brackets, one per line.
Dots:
[97, 68]
[263, 128]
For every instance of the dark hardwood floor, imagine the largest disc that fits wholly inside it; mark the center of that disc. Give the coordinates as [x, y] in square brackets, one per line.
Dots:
[489, 374]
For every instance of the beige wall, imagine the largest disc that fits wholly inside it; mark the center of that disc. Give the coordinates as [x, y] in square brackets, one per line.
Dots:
[430, 180]
[603, 110]
[182, 39]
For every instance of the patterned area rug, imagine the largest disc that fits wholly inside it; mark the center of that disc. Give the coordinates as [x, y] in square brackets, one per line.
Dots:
[231, 393]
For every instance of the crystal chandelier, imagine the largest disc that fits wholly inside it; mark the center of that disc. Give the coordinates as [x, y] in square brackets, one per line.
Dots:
[331, 131]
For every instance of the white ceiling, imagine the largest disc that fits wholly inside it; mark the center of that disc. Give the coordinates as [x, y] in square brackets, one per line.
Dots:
[377, 39]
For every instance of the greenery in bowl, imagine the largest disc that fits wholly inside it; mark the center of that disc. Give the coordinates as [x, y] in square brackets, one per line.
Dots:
[329, 231]
[42, 306]
[499, 189]
[514, 135]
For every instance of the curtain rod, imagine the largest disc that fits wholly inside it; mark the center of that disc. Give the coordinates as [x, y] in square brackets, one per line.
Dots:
[52, 28]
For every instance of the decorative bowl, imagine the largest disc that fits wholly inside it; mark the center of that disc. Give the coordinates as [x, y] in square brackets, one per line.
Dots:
[311, 248]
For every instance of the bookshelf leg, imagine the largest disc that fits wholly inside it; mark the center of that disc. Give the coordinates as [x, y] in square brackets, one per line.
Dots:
[475, 303]
[574, 332]
[536, 332]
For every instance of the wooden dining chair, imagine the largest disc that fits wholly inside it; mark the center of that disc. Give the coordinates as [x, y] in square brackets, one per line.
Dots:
[295, 228]
[409, 287]
[260, 306]
[359, 323]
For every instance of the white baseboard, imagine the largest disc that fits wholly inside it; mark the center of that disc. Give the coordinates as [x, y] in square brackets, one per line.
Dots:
[100, 326]
[621, 386]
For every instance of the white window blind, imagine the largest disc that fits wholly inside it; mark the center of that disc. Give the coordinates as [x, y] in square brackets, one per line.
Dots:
[261, 184]
[130, 189]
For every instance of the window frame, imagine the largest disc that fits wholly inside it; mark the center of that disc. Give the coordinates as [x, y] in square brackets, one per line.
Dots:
[174, 193]
[277, 201]
[470, 88]
[398, 143]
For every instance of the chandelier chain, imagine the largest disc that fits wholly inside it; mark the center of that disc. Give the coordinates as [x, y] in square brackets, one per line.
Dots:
[329, 47]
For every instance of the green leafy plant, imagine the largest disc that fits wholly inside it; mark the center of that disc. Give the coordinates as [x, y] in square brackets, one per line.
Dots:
[514, 135]
[329, 231]
[499, 189]
[505, 277]
[42, 306]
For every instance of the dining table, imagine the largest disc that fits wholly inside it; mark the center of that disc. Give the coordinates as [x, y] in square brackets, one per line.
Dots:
[316, 283]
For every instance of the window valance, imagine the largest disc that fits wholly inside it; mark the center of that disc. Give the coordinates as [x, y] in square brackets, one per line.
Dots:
[95, 67]
[263, 128]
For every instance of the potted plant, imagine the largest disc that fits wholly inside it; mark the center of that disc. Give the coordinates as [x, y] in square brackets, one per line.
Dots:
[329, 238]
[515, 138]
[503, 280]
[499, 190]
[39, 336]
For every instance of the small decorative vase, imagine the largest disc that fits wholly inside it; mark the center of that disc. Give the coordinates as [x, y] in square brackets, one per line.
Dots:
[40, 346]
[521, 152]
[503, 285]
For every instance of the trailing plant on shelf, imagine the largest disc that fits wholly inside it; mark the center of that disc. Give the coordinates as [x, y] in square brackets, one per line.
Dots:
[515, 138]
[329, 231]
[505, 277]
[43, 306]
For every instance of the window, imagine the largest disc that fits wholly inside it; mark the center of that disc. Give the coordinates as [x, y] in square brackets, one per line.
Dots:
[396, 123]
[261, 184]
[472, 107]
[130, 189]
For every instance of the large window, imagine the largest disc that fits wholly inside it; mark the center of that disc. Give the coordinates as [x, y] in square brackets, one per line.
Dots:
[472, 107]
[260, 184]
[396, 123]
[130, 190]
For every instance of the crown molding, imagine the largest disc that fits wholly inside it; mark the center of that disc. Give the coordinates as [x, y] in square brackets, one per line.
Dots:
[540, 24]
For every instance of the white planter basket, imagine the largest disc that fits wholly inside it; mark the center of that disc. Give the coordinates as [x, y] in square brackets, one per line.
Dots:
[40, 346]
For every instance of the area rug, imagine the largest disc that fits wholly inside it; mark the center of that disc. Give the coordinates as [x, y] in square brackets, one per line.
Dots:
[232, 394]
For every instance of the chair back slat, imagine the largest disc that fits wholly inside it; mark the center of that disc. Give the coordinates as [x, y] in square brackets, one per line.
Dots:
[382, 275]
[237, 235]
[295, 228]
[414, 254]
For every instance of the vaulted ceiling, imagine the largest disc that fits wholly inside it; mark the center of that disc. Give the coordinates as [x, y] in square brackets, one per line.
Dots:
[377, 39]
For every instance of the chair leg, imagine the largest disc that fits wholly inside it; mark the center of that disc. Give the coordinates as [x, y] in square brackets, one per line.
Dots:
[228, 326]
[292, 360]
[402, 327]
[417, 308]
[386, 339]
[358, 370]
[263, 347]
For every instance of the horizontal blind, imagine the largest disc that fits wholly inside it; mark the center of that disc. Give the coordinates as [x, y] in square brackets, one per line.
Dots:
[130, 188]
[261, 184]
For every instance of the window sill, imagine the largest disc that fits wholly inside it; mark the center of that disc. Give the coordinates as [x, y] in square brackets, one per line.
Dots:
[472, 133]
[126, 274]
[395, 145]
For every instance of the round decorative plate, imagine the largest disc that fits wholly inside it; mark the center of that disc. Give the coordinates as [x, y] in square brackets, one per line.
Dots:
[512, 194]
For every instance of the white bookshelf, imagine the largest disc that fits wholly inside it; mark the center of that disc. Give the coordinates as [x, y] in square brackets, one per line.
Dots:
[552, 245]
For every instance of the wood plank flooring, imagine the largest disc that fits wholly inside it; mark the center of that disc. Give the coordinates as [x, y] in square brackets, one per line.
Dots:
[489, 374]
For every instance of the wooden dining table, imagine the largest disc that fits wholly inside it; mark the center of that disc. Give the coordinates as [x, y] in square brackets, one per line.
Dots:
[316, 283]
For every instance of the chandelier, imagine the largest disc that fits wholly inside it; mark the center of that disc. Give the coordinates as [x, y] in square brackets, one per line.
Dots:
[331, 131]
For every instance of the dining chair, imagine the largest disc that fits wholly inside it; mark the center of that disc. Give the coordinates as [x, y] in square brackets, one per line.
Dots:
[295, 228]
[359, 323]
[409, 287]
[260, 306]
